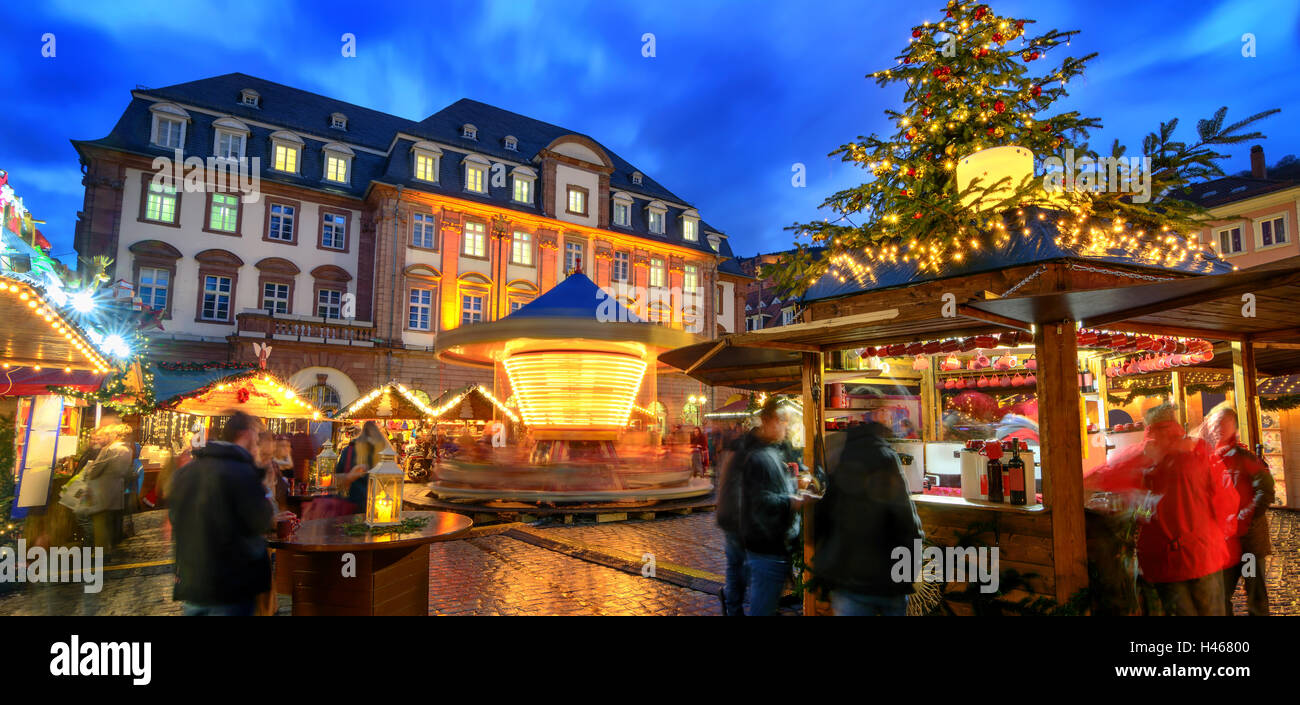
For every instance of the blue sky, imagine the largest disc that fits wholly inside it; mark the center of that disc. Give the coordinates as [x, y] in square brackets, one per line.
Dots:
[737, 92]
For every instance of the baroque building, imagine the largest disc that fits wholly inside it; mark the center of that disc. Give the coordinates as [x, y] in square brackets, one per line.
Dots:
[249, 211]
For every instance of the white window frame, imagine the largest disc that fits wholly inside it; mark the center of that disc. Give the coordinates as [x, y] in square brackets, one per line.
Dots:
[277, 298]
[250, 98]
[622, 203]
[521, 248]
[479, 232]
[1258, 225]
[691, 226]
[429, 151]
[1218, 240]
[229, 128]
[428, 225]
[469, 132]
[621, 261]
[339, 152]
[290, 141]
[153, 273]
[574, 247]
[338, 121]
[333, 310]
[465, 309]
[229, 296]
[473, 162]
[511, 144]
[656, 210]
[290, 218]
[168, 191]
[523, 176]
[414, 308]
[170, 113]
[658, 272]
[787, 315]
[692, 272]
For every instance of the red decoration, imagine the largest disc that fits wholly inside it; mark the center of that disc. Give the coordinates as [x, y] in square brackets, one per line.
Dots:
[916, 33]
[1036, 91]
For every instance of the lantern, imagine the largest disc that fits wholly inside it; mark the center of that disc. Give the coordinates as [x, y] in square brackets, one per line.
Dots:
[384, 491]
[322, 474]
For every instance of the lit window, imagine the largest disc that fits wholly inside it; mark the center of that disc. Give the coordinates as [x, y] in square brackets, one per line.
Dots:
[622, 213]
[1272, 231]
[224, 215]
[476, 178]
[422, 231]
[691, 279]
[657, 272]
[286, 158]
[523, 189]
[622, 266]
[577, 200]
[420, 311]
[521, 249]
[275, 297]
[153, 287]
[160, 204]
[471, 309]
[572, 257]
[216, 298]
[168, 133]
[229, 145]
[656, 222]
[690, 229]
[475, 242]
[336, 168]
[426, 167]
[329, 303]
[334, 231]
[324, 397]
[1230, 241]
[280, 226]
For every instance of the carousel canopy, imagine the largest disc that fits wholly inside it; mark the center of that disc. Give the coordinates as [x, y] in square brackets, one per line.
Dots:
[390, 401]
[255, 392]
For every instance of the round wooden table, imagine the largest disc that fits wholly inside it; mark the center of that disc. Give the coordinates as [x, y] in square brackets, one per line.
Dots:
[334, 573]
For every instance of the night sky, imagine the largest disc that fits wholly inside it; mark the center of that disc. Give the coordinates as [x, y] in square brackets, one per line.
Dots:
[737, 92]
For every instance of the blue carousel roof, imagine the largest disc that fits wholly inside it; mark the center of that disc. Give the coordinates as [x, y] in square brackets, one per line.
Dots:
[576, 297]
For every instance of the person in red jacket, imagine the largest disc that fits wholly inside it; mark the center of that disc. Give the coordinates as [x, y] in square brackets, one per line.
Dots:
[1252, 486]
[1177, 483]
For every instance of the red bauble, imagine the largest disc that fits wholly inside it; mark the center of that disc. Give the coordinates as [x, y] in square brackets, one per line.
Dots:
[916, 216]
[1036, 91]
[911, 171]
[997, 37]
[981, 11]
[999, 106]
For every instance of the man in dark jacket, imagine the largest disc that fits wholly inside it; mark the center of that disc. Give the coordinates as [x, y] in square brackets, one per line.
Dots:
[865, 515]
[728, 517]
[768, 510]
[220, 513]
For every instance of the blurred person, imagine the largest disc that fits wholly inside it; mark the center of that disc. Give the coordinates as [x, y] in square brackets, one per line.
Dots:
[96, 443]
[1177, 485]
[865, 514]
[106, 478]
[282, 457]
[728, 519]
[769, 507]
[303, 450]
[1252, 484]
[220, 512]
[354, 463]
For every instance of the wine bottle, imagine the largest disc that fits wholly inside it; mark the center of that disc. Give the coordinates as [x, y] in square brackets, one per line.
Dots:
[1016, 476]
[994, 470]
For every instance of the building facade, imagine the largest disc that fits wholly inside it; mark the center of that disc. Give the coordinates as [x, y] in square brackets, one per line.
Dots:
[247, 210]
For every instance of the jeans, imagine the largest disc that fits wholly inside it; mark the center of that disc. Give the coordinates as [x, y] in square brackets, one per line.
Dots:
[733, 595]
[237, 609]
[1201, 596]
[1256, 589]
[856, 604]
[767, 576]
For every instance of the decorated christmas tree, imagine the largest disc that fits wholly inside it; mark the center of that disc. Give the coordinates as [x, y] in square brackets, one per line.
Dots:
[974, 82]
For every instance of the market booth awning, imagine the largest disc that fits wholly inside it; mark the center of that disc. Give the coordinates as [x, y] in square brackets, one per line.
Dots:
[26, 381]
[391, 401]
[473, 403]
[255, 392]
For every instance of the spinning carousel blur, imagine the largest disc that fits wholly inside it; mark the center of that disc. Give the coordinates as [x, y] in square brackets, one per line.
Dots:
[576, 363]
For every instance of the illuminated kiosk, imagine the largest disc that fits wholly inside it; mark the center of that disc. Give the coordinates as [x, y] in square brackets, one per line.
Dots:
[576, 362]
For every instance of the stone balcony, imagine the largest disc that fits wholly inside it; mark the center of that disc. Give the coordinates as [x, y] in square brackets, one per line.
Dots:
[258, 324]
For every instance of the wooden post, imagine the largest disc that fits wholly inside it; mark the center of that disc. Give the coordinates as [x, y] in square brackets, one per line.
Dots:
[1062, 452]
[814, 445]
[1177, 396]
[930, 396]
[1244, 393]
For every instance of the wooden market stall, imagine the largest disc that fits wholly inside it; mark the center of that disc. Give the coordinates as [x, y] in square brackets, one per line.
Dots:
[1042, 301]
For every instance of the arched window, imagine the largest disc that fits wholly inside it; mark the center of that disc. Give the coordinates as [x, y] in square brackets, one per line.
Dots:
[324, 397]
[691, 414]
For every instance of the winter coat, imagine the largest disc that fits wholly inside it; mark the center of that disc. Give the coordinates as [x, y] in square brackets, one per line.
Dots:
[1190, 505]
[220, 515]
[1252, 483]
[865, 514]
[769, 523]
[729, 473]
[106, 478]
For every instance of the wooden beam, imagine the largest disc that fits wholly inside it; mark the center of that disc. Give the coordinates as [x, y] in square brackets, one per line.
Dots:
[814, 430]
[1175, 331]
[1280, 279]
[966, 311]
[868, 339]
[1061, 434]
[1178, 396]
[1275, 335]
[779, 334]
[930, 414]
[706, 356]
[1245, 393]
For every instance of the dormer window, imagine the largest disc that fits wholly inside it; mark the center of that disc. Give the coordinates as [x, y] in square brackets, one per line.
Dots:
[622, 209]
[512, 144]
[286, 151]
[426, 161]
[636, 178]
[339, 121]
[338, 163]
[691, 225]
[523, 186]
[250, 98]
[469, 132]
[656, 215]
[169, 123]
[230, 138]
[476, 169]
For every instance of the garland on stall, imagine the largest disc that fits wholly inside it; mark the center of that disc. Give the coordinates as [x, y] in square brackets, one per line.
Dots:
[204, 366]
[1165, 390]
[1282, 403]
[115, 395]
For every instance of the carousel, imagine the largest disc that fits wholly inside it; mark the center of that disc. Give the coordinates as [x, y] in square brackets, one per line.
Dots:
[576, 363]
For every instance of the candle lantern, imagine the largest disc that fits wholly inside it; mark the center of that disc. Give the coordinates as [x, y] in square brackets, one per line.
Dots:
[384, 491]
[322, 474]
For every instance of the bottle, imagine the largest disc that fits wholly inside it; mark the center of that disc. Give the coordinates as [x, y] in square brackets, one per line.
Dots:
[1016, 476]
[993, 450]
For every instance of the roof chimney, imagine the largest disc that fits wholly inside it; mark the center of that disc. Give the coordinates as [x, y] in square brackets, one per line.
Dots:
[1257, 168]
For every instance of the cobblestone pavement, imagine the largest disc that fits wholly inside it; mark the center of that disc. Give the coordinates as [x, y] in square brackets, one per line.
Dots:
[493, 573]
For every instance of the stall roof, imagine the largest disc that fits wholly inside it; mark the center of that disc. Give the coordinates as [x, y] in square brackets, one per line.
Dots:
[255, 392]
[28, 382]
[390, 401]
[483, 406]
